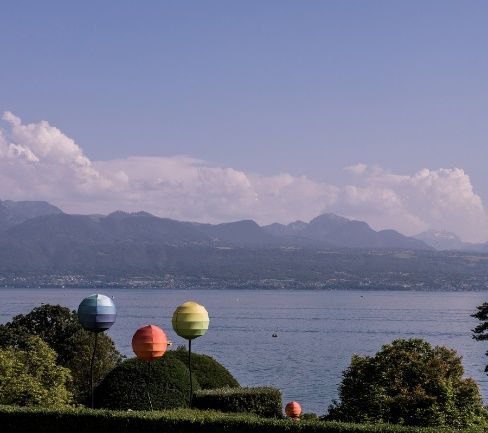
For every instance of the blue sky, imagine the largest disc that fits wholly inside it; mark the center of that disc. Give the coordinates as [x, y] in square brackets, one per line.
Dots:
[263, 88]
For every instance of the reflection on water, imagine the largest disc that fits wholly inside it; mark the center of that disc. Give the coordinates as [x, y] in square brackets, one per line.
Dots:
[317, 331]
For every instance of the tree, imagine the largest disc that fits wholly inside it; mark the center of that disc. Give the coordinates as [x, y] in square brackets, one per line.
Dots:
[409, 382]
[480, 333]
[60, 329]
[30, 376]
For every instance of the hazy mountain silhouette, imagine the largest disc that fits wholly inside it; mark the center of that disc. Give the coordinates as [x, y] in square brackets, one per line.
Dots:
[341, 232]
[16, 212]
[39, 237]
[443, 241]
[242, 233]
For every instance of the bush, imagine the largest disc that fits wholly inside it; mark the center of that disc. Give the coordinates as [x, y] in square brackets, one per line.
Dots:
[409, 382]
[128, 384]
[265, 401]
[209, 373]
[59, 327]
[309, 416]
[31, 377]
[29, 420]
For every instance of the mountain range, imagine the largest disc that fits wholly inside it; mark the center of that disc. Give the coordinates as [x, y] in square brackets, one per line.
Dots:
[16, 212]
[36, 237]
[41, 223]
[41, 245]
[336, 231]
[448, 241]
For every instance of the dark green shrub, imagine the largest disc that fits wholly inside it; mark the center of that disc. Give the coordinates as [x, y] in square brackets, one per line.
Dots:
[265, 401]
[28, 420]
[128, 384]
[409, 382]
[309, 416]
[209, 373]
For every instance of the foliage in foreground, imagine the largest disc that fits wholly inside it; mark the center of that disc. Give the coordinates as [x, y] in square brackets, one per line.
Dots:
[209, 373]
[263, 401]
[30, 376]
[480, 333]
[60, 329]
[133, 383]
[409, 382]
[28, 420]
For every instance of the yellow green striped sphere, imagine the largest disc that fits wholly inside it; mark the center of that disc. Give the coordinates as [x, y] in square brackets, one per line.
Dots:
[190, 320]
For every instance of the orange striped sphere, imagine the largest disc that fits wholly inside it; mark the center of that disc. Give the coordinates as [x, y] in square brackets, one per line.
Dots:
[149, 343]
[293, 409]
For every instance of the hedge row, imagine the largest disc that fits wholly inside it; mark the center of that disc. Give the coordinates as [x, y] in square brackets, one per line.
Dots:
[264, 401]
[37, 420]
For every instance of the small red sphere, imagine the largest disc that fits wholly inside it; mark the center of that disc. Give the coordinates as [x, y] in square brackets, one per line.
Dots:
[293, 409]
[149, 343]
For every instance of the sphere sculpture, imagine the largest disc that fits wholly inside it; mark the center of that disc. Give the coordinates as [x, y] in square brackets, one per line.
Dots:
[96, 314]
[190, 320]
[293, 410]
[149, 343]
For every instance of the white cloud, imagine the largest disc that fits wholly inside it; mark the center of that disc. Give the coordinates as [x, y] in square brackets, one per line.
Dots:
[38, 161]
[356, 168]
[442, 199]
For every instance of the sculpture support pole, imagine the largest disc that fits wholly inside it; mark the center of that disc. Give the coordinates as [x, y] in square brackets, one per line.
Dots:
[189, 367]
[91, 368]
[148, 385]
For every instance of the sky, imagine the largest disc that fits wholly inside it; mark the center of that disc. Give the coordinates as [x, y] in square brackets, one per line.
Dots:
[275, 111]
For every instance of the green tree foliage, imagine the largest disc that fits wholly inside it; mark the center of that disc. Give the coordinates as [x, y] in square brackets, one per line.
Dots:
[209, 373]
[127, 386]
[60, 329]
[409, 382]
[480, 333]
[31, 377]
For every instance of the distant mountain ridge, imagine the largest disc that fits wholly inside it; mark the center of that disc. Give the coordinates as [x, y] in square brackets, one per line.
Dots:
[444, 241]
[334, 230]
[41, 245]
[16, 212]
[36, 236]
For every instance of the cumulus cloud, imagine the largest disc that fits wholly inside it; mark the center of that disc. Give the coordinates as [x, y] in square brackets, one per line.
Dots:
[359, 168]
[38, 161]
[442, 199]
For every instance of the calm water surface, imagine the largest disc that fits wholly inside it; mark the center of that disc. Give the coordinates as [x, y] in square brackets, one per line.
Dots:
[318, 331]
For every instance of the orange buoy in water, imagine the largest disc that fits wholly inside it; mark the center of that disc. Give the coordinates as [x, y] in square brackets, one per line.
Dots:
[149, 343]
[293, 410]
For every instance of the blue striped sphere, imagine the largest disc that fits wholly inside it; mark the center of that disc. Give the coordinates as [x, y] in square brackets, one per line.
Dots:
[97, 313]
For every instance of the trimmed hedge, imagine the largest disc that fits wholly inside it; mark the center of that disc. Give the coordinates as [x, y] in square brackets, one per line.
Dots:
[264, 401]
[209, 373]
[128, 384]
[38, 420]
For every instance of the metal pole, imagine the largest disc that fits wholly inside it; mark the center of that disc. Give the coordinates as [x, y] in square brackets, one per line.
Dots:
[148, 385]
[189, 366]
[91, 368]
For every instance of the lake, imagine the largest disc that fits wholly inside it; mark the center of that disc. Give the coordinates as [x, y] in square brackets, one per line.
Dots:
[318, 331]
